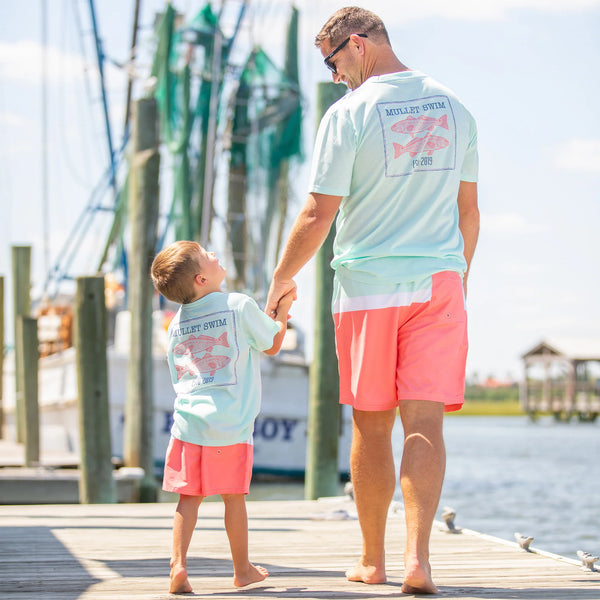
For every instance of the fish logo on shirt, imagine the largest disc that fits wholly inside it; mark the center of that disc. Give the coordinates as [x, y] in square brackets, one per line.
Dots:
[412, 125]
[207, 364]
[428, 144]
[201, 343]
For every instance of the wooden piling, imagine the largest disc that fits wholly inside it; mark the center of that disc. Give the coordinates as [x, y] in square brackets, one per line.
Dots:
[96, 485]
[21, 273]
[28, 384]
[322, 476]
[143, 211]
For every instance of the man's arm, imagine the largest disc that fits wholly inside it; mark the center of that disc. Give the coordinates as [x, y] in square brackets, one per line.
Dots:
[468, 221]
[308, 233]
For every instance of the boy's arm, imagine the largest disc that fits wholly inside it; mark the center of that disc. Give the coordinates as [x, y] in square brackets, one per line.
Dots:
[281, 318]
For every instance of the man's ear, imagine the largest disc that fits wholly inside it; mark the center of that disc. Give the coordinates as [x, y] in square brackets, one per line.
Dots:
[359, 42]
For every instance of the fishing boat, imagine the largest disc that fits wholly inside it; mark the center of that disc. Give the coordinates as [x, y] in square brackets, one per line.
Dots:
[280, 432]
[219, 117]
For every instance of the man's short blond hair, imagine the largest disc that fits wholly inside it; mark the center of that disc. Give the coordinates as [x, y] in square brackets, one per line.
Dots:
[174, 269]
[349, 20]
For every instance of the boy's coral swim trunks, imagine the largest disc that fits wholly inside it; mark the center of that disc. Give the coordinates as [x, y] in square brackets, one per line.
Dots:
[207, 470]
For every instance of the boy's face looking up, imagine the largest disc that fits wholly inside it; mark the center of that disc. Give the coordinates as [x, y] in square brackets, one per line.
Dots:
[210, 269]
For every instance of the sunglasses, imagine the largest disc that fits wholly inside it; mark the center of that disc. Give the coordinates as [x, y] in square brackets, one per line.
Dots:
[328, 58]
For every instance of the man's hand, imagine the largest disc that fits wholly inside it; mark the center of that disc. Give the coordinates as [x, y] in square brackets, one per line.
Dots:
[277, 291]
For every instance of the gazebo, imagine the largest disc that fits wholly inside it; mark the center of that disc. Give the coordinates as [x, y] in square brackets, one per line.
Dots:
[561, 384]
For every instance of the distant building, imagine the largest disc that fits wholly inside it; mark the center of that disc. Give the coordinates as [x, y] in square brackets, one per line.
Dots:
[565, 385]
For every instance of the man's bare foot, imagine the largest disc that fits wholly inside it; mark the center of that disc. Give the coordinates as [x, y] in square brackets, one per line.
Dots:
[179, 581]
[417, 580]
[252, 574]
[366, 573]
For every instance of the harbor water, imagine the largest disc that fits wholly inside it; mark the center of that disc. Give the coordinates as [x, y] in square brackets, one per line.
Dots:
[541, 479]
[508, 474]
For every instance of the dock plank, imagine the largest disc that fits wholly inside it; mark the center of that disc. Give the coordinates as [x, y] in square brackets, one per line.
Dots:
[121, 551]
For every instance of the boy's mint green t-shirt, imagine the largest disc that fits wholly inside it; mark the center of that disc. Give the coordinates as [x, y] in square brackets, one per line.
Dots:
[214, 359]
[396, 149]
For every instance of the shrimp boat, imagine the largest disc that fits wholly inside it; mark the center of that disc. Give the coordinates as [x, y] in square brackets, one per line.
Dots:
[280, 432]
[230, 129]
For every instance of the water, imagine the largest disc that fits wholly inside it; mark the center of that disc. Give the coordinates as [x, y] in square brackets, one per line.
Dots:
[507, 474]
[541, 479]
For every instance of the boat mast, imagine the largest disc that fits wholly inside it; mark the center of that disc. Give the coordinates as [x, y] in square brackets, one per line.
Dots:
[100, 57]
[211, 136]
[136, 19]
[45, 203]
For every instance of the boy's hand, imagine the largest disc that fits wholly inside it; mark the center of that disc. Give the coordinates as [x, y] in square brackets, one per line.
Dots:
[284, 305]
[277, 291]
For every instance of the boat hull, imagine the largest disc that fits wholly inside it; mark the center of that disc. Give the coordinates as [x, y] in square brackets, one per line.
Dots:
[280, 434]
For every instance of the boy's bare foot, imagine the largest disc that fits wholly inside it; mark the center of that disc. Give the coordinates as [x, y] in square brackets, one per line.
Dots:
[417, 580]
[252, 574]
[366, 573]
[179, 581]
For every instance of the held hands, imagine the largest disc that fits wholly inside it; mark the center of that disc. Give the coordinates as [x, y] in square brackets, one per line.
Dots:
[280, 298]
[284, 305]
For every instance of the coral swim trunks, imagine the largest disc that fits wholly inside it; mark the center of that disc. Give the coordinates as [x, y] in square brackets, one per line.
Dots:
[405, 341]
[207, 470]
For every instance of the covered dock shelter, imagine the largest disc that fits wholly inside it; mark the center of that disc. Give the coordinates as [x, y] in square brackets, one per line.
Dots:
[566, 385]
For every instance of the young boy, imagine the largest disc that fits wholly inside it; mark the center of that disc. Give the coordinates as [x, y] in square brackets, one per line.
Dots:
[215, 341]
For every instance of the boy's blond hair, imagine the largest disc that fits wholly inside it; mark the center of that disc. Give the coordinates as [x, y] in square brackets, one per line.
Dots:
[174, 269]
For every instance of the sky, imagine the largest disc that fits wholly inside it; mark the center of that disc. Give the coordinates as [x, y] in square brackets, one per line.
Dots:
[526, 69]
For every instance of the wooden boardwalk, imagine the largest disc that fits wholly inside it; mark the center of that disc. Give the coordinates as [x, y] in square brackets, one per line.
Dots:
[121, 551]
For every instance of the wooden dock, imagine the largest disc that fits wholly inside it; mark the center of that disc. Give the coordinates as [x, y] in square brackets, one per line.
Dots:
[121, 551]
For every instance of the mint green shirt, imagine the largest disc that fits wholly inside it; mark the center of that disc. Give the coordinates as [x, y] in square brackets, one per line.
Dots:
[214, 352]
[396, 149]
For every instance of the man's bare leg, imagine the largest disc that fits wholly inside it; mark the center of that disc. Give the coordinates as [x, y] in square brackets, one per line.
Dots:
[373, 482]
[236, 525]
[184, 523]
[421, 478]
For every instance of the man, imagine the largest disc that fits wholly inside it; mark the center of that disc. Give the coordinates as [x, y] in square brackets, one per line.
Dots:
[398, 157]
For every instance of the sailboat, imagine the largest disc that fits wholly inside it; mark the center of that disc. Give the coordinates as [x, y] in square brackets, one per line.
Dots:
[215, 117]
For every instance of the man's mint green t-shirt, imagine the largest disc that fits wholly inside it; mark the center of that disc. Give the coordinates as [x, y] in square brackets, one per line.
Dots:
[214, 352]
[396, 149]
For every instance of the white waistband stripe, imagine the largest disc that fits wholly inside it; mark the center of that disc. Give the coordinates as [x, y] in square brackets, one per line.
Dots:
[347, 304]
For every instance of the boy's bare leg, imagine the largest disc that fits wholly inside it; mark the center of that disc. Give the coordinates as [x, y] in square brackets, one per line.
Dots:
[373, 483]
[236, 525]
[421, 478]
[184, 523]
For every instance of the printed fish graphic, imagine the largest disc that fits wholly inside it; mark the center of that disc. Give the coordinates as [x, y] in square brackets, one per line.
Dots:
[412, 125]
[428, 144]
[201, 343]
[207, 364]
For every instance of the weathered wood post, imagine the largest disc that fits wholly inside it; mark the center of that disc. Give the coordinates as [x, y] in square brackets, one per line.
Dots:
[143, 211]
[322, 477]
[28, 384]
[1, 356]
[21, 273]
[96, 484]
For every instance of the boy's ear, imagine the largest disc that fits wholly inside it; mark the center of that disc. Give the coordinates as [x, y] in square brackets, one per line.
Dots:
[200, 279]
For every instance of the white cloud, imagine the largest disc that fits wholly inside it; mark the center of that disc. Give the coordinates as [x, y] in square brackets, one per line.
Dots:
[509, 223]
[9, 119]
[578, 155]
[22, 62]
[477, 10]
